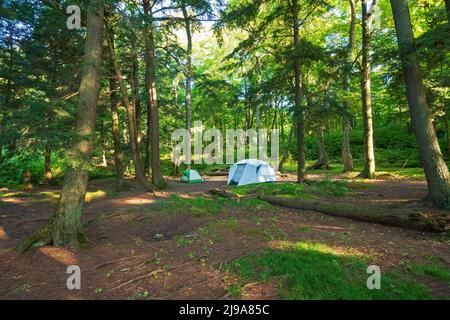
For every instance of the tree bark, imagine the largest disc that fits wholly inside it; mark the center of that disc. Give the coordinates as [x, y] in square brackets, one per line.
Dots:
[187, 26]
[447, 133]
[119, 155]
[347, 158]
[286, 150]
[322, 161]
[369, 153]
[136, 96]
[26, 179]
[139, 169]
[153, 154]
[436, 171]
[64, 226]
[386, 215]
[47, 165]
[301, 168]
[447, 8]
[1, 133]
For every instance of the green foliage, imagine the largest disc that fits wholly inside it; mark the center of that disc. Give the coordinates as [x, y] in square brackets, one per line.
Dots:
[395, 146]
[233, 74]
[316, 271]
[12, 169]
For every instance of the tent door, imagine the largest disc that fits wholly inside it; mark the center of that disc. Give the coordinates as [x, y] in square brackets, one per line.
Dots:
[238, 174]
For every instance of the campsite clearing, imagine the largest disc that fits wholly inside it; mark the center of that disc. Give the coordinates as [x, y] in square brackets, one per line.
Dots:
[220, 248]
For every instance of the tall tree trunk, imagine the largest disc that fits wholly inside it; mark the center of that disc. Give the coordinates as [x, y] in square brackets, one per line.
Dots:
[64, 226]
[148, 138]
[8, 94]
[47, 165]
[275, 116]
[139, 169]
[447, 133]
[26, 180]
[322, 161]
[286, 150]
[119, 155]
[347, 158]
[104, 163]
[136, 96]
[447, 8]
[369, 154]
[1, 133]
[152, 101]
[187, 26]
[301, 168]
[436, 170]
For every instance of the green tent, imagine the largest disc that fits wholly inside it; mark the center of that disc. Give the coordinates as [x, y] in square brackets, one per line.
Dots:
[191, 176]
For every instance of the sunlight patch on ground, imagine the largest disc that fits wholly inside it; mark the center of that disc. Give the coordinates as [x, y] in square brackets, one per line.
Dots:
[134, 201]
[11, 194]
[186, 196]
[93, 195]
[50, 194]
[3, 234]
[15, 200]
[59, 254]
[162, 194]
[321, 227]
[317, 247]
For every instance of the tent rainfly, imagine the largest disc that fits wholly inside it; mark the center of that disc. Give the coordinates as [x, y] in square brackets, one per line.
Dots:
[191, 176]
[251, 171]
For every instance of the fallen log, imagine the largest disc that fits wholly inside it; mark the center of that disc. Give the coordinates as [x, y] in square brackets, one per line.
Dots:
[385, 215]
[231, 195]
[224, 194]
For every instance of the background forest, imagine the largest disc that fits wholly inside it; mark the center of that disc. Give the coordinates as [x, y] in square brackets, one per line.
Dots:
[238, 65]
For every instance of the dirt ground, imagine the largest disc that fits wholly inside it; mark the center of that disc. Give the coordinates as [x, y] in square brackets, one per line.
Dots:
[127, 260]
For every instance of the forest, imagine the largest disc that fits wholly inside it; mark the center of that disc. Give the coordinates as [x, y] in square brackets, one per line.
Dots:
[134, 142]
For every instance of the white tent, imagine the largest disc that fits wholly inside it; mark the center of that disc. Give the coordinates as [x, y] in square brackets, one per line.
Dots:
[251, 171]
[191, 176]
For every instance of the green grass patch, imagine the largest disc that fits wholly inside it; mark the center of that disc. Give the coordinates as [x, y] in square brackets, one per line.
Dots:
[317, 271]
[329, 188]
[196, 206]
[230, 223]
[336, 168]
[433, 270]
[304, 228]
[282, 189]
[326, 187]
[254, 205]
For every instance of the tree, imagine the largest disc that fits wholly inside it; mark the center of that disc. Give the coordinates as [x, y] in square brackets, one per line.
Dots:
[347, 158]
[447, 8]
[47, 164]
[188, 73]
[369, 153]
[300, 126]
[119, 155]
[153, 153]
[64, 226]
[435, 168]
[131, 113]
